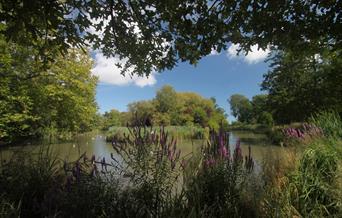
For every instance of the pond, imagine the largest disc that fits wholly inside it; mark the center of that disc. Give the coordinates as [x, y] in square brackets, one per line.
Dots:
[95, 143]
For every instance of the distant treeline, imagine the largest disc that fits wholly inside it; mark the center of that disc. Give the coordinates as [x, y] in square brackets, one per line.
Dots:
[169, 107]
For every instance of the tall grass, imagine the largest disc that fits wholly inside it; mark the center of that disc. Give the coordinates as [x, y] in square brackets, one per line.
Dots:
[307, 187]
[330, 122]
[9, 210]
[316, 182]
[178, 132]
[33, 181]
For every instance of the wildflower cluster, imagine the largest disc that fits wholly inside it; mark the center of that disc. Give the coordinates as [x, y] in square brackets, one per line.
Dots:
[143, 149]
[216, 189]
[218, 150]
[304, 132]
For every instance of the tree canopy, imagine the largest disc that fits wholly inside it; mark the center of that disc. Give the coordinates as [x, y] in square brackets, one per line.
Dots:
[255, 111]
[241, 107]
[34, 101]
[154, 35]
[187, 109]
[301, 86]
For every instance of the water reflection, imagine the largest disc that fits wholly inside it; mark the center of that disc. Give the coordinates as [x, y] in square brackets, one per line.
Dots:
[94, 143]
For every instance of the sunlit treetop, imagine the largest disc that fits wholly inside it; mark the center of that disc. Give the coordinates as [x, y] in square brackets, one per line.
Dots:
[153, 35]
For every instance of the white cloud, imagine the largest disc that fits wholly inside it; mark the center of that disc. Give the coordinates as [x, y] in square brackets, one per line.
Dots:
[107, 72]
[213, 52]
[254, 56]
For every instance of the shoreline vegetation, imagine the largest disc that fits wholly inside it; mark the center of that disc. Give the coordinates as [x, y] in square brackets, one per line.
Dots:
[176, 132]
[152, 179]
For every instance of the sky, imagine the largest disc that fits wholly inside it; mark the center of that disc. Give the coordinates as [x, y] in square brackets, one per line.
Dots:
[218, 75]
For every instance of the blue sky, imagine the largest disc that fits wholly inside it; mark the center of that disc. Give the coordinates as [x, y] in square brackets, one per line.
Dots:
[217, 75]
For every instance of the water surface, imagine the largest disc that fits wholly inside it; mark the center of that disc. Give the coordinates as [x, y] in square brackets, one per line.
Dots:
[95, 143]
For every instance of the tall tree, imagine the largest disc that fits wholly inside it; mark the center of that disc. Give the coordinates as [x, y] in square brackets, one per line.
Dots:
[241, 107]
[300, 86]
[166, 99]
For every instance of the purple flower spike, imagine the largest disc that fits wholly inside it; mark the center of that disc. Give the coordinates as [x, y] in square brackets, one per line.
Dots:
[223, 151]
[207, 163]
[238, 143]
[211, 161]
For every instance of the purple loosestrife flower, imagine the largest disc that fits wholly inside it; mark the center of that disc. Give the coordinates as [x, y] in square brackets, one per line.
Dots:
[223, 151]
[212, 162]
[209, 162]
[237, 151]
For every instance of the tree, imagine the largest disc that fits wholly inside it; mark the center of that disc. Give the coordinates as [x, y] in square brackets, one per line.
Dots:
[34, 100]
[166, 99]
[301, 86]
[111, 118]
[241, 108]
[266, 118]
[65, 94]
[161, 119]
[16, 106]
[155, 35]
[259, 107]
[141, 113]
[177, 108]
